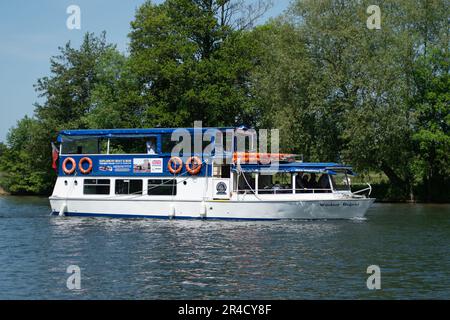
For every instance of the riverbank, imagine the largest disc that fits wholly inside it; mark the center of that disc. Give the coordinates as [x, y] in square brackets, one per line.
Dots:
[389, 193]
[3, 192]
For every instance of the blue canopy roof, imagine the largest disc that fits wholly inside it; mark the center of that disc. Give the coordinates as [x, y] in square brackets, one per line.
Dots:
[308, 167]
[118, 133]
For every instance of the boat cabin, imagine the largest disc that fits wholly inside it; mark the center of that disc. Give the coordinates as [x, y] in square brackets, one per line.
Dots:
[142, 162]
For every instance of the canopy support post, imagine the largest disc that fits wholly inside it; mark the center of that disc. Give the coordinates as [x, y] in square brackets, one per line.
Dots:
[294, 178]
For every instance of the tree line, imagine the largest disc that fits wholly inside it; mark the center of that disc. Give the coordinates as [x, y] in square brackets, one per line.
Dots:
[338, 91]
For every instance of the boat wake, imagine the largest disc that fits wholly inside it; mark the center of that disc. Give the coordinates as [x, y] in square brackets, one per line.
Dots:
[358, 219]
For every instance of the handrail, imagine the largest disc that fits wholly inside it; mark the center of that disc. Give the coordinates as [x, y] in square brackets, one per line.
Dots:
[363, 190]
[282, 191]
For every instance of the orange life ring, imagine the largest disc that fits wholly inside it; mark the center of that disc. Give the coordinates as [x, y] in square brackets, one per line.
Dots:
[64, 165]
[80, 165]
[178, 165]
[196, 166]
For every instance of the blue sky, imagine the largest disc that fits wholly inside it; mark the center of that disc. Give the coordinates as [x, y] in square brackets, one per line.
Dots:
[32, 31]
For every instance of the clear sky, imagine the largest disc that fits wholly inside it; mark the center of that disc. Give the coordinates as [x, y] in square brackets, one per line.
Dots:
[32, 31]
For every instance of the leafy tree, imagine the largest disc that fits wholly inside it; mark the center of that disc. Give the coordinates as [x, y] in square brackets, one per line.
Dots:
[68, 91]
[112, 104]
[432, 109]
[78, 75]
[283, 88]
[190, 64]
[339, 91]
[23, 163]
[3, 149]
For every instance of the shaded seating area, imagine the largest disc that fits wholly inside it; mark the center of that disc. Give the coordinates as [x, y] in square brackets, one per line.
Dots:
[292, 178]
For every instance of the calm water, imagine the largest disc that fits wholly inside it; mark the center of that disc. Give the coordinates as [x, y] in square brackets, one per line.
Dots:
[151, 259]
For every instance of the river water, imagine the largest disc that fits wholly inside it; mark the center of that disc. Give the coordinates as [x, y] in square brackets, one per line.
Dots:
[153, 259]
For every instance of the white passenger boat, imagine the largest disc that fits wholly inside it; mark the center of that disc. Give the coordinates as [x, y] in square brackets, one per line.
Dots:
[134, 173]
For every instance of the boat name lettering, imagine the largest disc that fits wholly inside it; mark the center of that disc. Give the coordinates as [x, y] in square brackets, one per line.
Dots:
[330, 204]
[351, 204]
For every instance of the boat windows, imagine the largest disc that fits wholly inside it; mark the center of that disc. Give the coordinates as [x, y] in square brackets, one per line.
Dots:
[97, 186]
[246, 182]
[222, 171]
[282, 183]
[167, 145]
[135, 145]
[312, 183]
[279, 183]
[341, 182]
[162, 187]
[126, 187]
[118, 145]
[80, 146]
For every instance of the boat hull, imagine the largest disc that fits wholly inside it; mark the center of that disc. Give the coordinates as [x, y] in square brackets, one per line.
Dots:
[230, 210]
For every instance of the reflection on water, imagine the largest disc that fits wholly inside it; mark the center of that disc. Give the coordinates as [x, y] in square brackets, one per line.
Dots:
[157, 259]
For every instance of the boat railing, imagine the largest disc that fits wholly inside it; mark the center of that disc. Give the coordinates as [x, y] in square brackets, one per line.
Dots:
[284, 191]
[369, 188]
[306, 190]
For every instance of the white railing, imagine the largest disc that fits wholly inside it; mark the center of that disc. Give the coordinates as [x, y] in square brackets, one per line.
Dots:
[283, 191]
[364, 190]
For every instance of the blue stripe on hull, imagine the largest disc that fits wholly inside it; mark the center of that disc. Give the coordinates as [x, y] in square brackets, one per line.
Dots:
[129, 216]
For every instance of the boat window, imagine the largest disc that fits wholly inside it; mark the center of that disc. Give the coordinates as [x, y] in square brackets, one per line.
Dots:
[162, 187]
[246, 182]
[312, 183]
[97, 186]
[275, 184]
[167, 145]
[341, 182]
[223, 171]
[129, 187]
[80, 146]
[135, 145]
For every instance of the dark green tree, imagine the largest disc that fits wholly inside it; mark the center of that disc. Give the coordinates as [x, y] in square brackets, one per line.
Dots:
[191, 64]
[431, 135]
[68, 91]
[340, 91]
[25, 167]
[70, 94]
